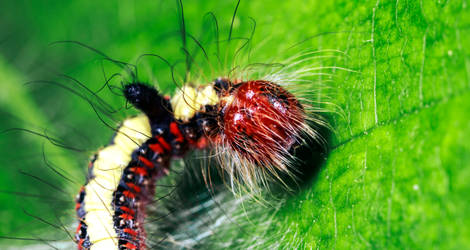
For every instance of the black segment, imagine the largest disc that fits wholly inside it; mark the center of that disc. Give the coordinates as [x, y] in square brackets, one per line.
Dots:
[148, 100]
[221, 84]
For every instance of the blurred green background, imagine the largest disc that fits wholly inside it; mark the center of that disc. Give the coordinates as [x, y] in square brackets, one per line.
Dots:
[399, 163]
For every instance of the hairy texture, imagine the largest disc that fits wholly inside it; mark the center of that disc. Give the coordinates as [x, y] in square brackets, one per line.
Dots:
[262, 122]
[259, 124]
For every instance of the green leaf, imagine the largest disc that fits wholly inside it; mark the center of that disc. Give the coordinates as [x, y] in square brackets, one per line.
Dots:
[396, 175]
[25, 175]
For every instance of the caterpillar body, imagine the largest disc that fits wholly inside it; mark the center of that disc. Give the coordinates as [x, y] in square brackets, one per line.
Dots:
[255, 123]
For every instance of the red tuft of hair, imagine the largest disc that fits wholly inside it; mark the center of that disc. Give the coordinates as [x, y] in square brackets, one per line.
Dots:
[262, 122]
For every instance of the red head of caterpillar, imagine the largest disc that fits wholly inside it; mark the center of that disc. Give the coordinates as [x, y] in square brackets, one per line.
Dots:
[259, 122]
[252, 125]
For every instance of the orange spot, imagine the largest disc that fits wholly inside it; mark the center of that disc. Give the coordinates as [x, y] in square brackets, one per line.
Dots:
[128, 194]
[130, 231]
[164, 144]
[127, 210]
[146, 162]
[156, 148]
[128, 245]
[176, 132]
[126, 216]
[202, 143]
[133, 186]
[80, 244]
[139, 171]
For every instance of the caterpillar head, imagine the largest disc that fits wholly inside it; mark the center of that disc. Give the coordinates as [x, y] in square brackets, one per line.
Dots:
[259, 123]
[252, 125]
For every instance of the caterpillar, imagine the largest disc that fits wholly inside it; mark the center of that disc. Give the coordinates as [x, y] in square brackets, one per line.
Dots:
[256, 122]
[251, 120]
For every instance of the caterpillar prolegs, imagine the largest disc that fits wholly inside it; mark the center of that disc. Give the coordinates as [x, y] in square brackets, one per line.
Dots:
[252, 126]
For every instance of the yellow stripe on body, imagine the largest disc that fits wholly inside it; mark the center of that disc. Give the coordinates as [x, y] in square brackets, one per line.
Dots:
[107, 171]
[189, 100]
